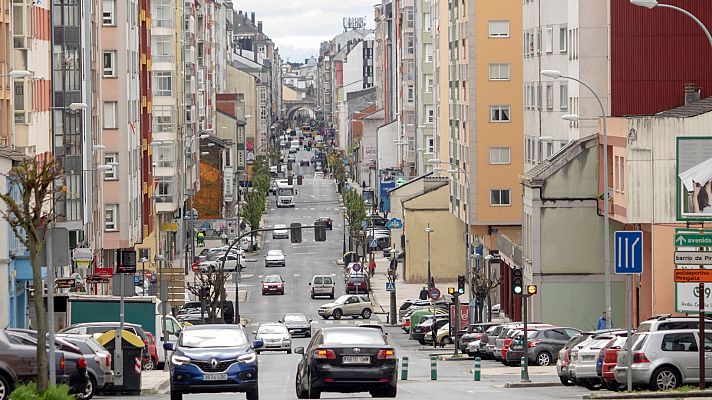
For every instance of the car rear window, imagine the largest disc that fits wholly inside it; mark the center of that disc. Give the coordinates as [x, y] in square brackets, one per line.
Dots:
[318, 280]
[352, 337]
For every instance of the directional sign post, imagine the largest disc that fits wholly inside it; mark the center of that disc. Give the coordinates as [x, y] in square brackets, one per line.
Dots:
[628, 261]
[693, 258]
[693, 240]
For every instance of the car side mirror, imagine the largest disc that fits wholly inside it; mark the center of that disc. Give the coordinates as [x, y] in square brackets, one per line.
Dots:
[258, 343]
[299, 350]
[170, 346]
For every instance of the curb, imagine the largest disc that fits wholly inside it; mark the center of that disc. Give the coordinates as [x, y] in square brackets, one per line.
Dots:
[449, 357]
[652, 395]
[514, 385]
[157, 389]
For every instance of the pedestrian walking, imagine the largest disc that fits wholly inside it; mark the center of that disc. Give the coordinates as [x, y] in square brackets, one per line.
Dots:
[201, 239]
[602, 322]
[372, 267]
[223, 236]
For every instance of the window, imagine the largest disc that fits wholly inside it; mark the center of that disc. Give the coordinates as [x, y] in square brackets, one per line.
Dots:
[549, 96]
[162, 83]
[108, 12]
[622, 178]
[261, 49]
[679, 342]
[431, 145]
[430, 114]
[410, 94]
[109, 158]
[164, 189]
[162, 13]
[499, 197]
[499, 29]
[428, 52]
[163, 156]
[426, 22]
[564, 96]
[429, 84]
[549, 40]
[499, 155]
[111, 217]
[562, 39]
[498, 72]
[162, 119]
[162, 48]
[110, 115]
[499, 113]
[109, 64]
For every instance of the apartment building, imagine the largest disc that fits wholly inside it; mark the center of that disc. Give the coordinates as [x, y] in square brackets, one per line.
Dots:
[424, 70]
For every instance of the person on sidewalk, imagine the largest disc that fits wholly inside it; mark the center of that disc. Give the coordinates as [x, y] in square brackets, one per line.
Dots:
[372, 267]
[201, 239]
[602, 322]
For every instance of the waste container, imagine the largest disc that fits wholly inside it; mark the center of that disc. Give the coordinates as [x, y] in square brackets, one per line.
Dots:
[132, 349]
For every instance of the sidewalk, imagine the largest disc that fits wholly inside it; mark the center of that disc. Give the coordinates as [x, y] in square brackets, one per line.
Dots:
[154, 382]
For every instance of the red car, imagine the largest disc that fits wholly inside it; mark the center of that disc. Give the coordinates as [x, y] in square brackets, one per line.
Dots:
[152, 361]
[272, 284]
[610, 360]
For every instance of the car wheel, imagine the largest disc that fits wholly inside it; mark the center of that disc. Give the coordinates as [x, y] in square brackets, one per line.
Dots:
[337, 314]
[421, 341]
[543, 358]
[89, 389]
[445, 341]
[301, 394]
[332, 295]
[149, 365]
[5, 388]
[366, 313]
[566, 381]
[391, 392]
[314, 394]
[176, 395]
[665, 378]
[253, 394]
[325, 316]
[592, 384]
[289, 351]
[312, 294]
[611, 385]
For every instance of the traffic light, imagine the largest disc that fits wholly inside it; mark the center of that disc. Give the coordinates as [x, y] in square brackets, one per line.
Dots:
[451, 290]
[320, 231]
[517, 282]
[461, 284]
[531, 290]
[295, 232]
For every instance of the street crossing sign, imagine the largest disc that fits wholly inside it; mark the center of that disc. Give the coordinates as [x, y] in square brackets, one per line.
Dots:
[390, 286]
[628, 252]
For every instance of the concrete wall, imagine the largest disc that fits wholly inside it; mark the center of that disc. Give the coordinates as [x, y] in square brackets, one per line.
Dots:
[397, 196]
[387, 152]
[447, 259]
[289, 94]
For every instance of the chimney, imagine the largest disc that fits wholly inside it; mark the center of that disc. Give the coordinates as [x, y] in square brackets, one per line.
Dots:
[259, 27]
[692, 93]
[252, 17]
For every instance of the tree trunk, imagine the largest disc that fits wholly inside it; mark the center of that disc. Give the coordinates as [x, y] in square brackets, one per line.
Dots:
[40, 322]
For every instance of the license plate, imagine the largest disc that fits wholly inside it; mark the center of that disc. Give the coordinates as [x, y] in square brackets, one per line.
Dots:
[357, 360]
[215, 377]
[588, 358]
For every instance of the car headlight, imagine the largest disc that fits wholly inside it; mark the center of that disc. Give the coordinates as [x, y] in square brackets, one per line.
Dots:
[247, 358]
[179, 360]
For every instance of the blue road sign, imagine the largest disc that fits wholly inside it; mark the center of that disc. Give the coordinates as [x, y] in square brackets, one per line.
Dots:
[394, 223]
[138, 280]
[364, 224]
[628, 249]
[390, 286]
[356, 267]
[373, 243]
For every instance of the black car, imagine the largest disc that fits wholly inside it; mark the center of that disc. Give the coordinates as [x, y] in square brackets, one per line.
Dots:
[297, 324]
[347, 360]
[190, 312]
[304, 162]
[327, 221]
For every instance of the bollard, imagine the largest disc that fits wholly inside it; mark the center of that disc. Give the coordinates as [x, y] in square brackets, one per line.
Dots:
[522, 373]
[477, 368]
[404, 369]
[433, 368]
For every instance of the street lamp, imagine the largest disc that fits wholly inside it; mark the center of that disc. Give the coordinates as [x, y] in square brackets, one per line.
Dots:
[551, 73]
[650, 4]
[429, 230]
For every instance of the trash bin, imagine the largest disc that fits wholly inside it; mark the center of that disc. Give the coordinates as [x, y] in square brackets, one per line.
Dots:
[132, 349]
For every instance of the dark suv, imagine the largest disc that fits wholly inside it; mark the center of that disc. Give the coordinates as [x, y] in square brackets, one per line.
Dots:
[543, 345]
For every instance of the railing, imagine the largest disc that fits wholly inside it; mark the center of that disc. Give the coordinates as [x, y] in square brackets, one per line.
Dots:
[510, 249]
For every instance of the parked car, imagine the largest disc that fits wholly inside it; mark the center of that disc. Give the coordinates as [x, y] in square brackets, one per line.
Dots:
[275, 258]
[357, 283]
[218, 354]
[280, 232]
[304, 162]
[443, 337]
[419, 315]
[318, 175]
[662, 360]
[330, 364]
[562, 364]
[322, 285]
[275, 336]
[473, 332]
[426, 326]
[152, 352]
[214, 261]
[327, 221]
[668, 322]
[297, 324]
[543, 345]
[408, 303]
[582, 359]
[272, 284]
[609, 361]
[347, 305]
[91, 328]
[98, 361]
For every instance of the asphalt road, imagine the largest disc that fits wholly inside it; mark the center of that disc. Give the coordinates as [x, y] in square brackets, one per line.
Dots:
[317, 198]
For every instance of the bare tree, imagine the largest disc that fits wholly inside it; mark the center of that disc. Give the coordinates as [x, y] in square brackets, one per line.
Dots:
[484, 287]
[29, 213]
[214, 282]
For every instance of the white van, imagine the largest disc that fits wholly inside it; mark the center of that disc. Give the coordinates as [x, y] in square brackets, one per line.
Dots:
[322, 285]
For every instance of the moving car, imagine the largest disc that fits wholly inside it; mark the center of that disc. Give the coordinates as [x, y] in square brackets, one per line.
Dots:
[213, 359]
[347, 360]
[322, 285]
[328, 222]
[280, 232]
[275, 258]
[318, 175]
[347, 305]
[272, 284]
[304, 162]
[297, 324]
[275, 336]
[357, 283]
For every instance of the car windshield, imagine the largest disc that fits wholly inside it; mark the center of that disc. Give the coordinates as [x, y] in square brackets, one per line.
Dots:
[353, 336]
[280, 227]
[209, 338]
[274, 253]
[295, 318]
[273, 279]
[271, 329]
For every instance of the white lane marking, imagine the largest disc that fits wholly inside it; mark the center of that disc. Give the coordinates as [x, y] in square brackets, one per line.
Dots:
[312, 209]
[307, 253]
[296, 275]
[260, 276]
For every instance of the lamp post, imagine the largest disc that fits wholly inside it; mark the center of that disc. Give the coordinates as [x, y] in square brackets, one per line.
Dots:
[650, 4]
[429, 230]
[343, 246]
[606, 194]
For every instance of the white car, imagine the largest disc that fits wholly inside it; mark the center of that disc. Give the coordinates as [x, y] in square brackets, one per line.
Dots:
[280, 232]
[275, 337]
[214, 261]
[318, 175]
[275, 258]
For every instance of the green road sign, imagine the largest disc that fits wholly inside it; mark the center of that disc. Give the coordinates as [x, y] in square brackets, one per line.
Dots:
[693, 240]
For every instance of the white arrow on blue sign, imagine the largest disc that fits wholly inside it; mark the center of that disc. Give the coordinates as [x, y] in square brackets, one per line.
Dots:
[628, 249]
[390, 286]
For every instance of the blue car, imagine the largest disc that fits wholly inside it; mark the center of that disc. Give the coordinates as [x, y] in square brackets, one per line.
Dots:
[213, 359]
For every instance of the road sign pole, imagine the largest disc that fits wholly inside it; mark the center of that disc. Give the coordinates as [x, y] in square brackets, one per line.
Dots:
[457, 324]
[525, 358]
[629, 323]
[701, 347]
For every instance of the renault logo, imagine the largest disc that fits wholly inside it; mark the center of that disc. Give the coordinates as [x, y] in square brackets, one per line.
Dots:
[214, 363]
[357, 350]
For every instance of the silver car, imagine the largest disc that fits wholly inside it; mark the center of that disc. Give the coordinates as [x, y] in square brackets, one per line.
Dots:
[98, 363]
[280, 232]
[664, 360]
[275, 336]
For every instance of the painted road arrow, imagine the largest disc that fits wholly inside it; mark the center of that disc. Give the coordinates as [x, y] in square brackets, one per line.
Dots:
[693, 240]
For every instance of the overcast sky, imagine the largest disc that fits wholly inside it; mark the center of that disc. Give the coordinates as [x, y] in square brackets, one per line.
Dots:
[297, 27]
